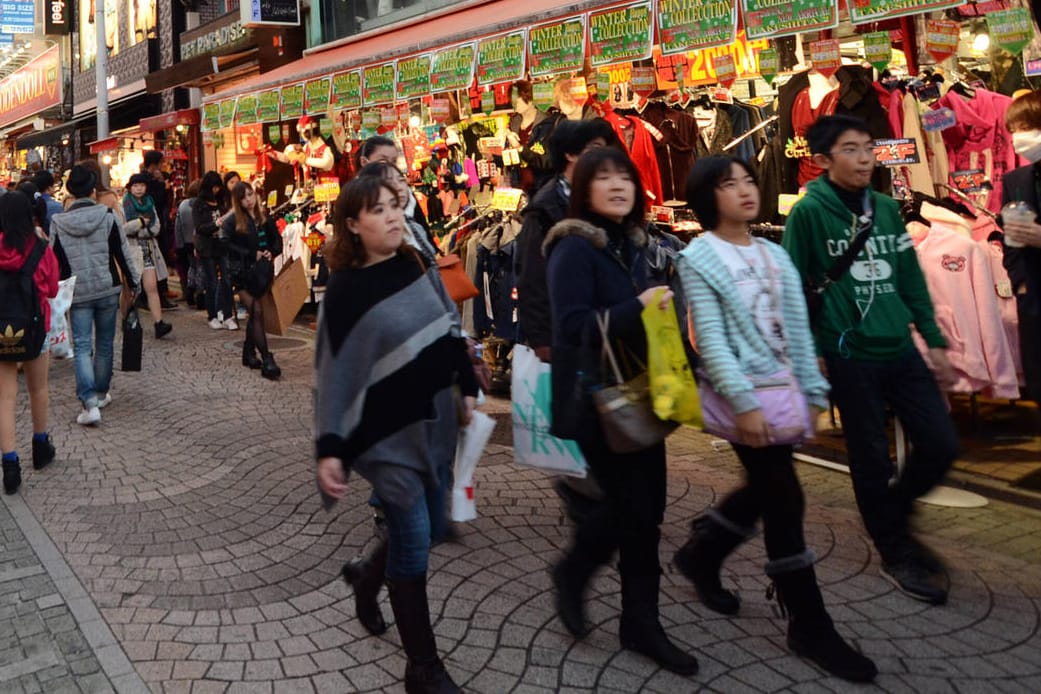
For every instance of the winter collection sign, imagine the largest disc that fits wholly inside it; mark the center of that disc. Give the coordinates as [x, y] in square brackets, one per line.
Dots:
[227, 112]
[941, 38]
[620, 35]
[453, 68]
[346, 90]
[211, 116]
[247, 109]
[557, 47]
[378, 83]
[267, 106]
[773, 18]
[292, 101]
[500, 58]
[316, 95]
[413, 77]
[865, 11]
[878, 49]
[1011, 29]
[688, 25]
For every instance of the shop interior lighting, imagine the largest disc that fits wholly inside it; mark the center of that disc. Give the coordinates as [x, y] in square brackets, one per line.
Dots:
[106, 159]
[981, 42]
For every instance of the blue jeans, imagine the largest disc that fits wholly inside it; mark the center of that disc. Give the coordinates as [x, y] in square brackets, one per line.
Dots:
[409, 531]
[438, 505]
[93, 334]
[862, 390]
[218, 291]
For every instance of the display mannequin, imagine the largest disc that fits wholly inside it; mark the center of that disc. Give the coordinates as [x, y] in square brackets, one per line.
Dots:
[572, 109]
[522, 123]
[820, 86]
[314, 153]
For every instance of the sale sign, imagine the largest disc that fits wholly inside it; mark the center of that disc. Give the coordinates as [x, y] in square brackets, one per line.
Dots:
[941, 38]
[878, 49]
[826, 56]
[726, 71]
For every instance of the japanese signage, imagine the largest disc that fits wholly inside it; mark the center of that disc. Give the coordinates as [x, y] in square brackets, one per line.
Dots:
[896, 152]
[686, 25]
[247, 110]
[771, 18]
[413, 78]
[440, 110]
[346, 90]
[1011, 29]
[697, 65]
[620, 34]
[388, 117]
[370, 120]
[826, 56]
[557, 47]
[542, 94]
[211, 116]
[643, 80]
[378, 84]
[969, 180]
[292, 106]
[31, 88]
[726, 71]
[603, 85]
[768, 64]
[316, 95]
[864, 11]
[227, 112]
[453, 68]
[57, 15]
[270, 12]
[268, 104]
[18, 16]
[878, 49]
[941, 38]
[488, 102]
[501, 58]
[938, 119]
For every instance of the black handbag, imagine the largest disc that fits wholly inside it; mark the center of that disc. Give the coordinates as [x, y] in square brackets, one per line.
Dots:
[133, 341]
[259, 277]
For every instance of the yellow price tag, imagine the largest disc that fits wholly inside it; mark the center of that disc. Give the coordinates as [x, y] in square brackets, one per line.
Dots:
[507, 199]
[327, 191]
[786, 201]
[272, 199]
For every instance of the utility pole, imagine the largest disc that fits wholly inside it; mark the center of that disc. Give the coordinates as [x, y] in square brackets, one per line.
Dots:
[101, 76]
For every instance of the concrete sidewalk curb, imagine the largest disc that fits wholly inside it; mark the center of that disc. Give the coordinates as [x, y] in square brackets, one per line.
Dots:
[111, 656]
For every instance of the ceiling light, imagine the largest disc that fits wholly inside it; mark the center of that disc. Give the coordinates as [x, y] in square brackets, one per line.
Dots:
[981, 42]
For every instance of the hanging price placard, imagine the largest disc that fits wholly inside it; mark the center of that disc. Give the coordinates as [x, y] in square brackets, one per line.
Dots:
[388, 117]
[826, 56]
[439, 110]
[542, 94]
[603, 86]
[506, 199]
[274, 134]
[487, 102]
[578, 90]
[370, 120]
[326, 191]
[1011, 29]
[941, 38]
[726, 70]
[768, 64]
[644, 81]
[878, 49]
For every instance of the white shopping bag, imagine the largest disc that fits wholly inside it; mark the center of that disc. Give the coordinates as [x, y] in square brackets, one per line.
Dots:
[533, 445]
[472, 440]
[59, 337]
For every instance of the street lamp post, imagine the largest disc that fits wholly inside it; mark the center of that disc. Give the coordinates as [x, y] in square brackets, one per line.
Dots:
[100, 76]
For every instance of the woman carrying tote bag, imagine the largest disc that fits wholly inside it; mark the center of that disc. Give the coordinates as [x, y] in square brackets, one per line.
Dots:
[752, 331]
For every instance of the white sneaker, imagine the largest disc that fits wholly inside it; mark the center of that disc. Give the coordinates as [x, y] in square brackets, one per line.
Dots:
[230, 324]
[103, 402]
[216, 323]
[89, 417]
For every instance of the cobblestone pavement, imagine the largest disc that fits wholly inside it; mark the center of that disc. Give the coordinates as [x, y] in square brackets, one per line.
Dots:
[190, 518]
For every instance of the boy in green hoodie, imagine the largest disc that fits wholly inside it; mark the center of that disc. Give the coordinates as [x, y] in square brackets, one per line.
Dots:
[864, 339]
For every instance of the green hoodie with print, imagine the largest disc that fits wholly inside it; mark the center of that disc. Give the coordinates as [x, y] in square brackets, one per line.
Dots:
[867, 314]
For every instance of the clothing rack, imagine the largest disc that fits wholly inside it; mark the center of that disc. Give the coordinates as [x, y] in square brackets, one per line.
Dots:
[742, 137]
[965, 198]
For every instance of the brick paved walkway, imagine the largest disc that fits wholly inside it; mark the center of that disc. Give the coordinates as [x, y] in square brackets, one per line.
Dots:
[190, 517]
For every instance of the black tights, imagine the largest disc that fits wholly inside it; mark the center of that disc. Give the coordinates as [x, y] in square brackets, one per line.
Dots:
[255, 334]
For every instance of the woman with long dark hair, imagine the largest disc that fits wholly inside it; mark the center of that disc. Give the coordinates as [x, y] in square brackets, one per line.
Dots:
[597, 271]
[143, 225]
[253, 244]
[750, 319]
[209, 212]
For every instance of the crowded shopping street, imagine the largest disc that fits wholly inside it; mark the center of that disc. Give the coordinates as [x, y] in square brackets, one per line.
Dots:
[181, 547]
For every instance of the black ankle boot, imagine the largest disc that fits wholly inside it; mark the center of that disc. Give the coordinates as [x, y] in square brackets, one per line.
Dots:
[12, 476]
[249, 355]
[570, 581]
[701, 559]
[268, 368]
[640, 629]
[43, 453]
[365, 576]
[424, 671]
[811, 633]
[162, 329]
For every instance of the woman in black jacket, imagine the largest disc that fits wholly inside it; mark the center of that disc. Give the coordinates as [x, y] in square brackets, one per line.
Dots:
[209, 212]
[253, 242]
[597, 268]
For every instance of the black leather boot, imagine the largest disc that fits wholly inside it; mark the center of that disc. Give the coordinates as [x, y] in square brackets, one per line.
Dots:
[365, 576]
[595, 541]
[641, 630]
[249, 354]
[811, 633]
[268, 368]
[12, 476]
[701, 559]
[43, 453]
[424, 671]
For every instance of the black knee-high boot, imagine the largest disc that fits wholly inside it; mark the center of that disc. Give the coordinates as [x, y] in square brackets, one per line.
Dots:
[811, 633]
[595, 541]
[712, 539]
[424, 672]
[365, 576]
[641, 629]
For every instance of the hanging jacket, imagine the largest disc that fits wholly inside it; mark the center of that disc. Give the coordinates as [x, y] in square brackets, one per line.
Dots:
[722, 134]
[675, 150]
[641, 151]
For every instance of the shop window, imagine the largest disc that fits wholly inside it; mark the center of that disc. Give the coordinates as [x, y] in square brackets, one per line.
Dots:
[342, 18]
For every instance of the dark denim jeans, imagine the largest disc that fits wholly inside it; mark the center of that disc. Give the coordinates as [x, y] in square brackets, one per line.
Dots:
[410, 531]
[218, 291]
[863, 390]
[93, 334]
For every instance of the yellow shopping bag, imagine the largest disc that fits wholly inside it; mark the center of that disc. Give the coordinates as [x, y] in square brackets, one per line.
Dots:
[673, 390]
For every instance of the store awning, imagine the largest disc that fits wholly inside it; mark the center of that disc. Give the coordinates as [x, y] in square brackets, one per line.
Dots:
[202, 70]
[51, 135]
[166, 121]
[481, 20]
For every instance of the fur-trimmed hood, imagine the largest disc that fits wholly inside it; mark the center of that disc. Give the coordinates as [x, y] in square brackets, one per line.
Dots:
[589, 231]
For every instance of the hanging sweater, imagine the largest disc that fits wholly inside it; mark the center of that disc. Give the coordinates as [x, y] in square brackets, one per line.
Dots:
[388, 356]
[641, 151]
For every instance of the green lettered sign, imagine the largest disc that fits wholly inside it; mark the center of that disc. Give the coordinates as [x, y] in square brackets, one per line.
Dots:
[346, 90]
[274, 134]
[768, 64]
[378, 81]
[292, 101]
[771, 18]
[247, 109]
[1011, 29]
[620, 35]
[316, 95]
[865, 11]
[370, 120]
[211, 116]
[557, 47]
[690, 25]
[267, 106]
[488, 102]
[500, 58]
[878, 49]
[453, 68]
[413, 78]
[227, 112]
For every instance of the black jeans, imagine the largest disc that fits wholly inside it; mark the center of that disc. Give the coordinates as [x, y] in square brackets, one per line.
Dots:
[771, 491]
[862, 390]
[218, 291]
